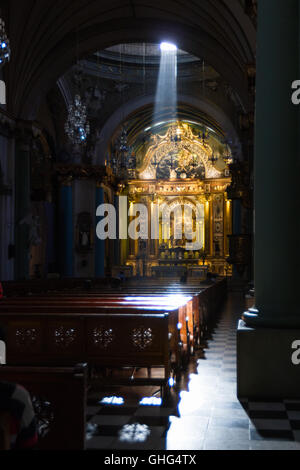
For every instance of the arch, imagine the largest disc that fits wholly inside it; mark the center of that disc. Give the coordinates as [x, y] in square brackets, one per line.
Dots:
[127, 109]
[217, 30]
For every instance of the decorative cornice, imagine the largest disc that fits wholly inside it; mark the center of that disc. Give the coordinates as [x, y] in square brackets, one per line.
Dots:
[97, 173]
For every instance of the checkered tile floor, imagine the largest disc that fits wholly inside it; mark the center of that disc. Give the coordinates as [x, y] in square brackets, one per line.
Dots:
[203, 413]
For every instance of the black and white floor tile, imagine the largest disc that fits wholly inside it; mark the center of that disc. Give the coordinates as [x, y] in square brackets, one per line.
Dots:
[204, 412]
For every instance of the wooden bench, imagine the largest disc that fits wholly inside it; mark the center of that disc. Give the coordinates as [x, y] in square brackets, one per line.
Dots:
[59, 399]
[186, 314]
[112, 339]
[193, 317]
[197, 321]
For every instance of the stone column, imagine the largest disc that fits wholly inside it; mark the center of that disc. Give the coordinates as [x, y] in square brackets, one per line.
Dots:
[276, 168]
[99, 244]
[267, 338]
[66, 235]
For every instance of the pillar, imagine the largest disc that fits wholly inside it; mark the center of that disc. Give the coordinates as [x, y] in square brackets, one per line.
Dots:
[276, 167]
[100, 244]
[236, 217]
[22, 209]
[266, 338]
[66, 235]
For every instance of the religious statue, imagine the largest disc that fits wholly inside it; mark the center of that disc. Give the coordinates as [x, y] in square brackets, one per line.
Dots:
[33, 222]
[84, 232]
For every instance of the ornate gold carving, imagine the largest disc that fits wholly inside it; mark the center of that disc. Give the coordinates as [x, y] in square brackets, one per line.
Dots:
[187, 147]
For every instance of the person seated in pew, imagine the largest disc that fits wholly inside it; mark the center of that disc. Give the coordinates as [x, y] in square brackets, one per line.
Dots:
[18, 416]
[16, 412]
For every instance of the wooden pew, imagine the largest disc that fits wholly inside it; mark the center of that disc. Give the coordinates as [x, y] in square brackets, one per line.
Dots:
[193, 317]
[179, 336]
[197, 317]
[89, 304]
[112, 339]
[59, 398]
[200, 322]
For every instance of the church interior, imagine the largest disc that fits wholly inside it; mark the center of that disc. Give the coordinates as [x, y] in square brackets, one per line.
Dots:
[148, 186]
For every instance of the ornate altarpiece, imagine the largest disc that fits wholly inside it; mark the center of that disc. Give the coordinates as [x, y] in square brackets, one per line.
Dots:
[178, 170]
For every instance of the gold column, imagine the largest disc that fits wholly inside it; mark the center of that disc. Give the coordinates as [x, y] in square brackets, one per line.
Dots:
[227, 225]
[208, 226]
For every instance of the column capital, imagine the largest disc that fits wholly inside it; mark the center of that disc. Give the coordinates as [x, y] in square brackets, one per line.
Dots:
[65, 180]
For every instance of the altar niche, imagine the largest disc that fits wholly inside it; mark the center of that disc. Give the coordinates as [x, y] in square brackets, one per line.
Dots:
[180, 165]
[164, 251]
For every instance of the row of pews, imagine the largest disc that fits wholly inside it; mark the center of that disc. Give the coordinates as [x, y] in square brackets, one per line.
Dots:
[132, 327]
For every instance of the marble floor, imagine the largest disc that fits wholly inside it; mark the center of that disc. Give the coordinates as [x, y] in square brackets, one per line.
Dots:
[203, 412]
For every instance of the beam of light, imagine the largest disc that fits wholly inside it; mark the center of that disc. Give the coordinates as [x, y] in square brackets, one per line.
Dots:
[168, 47]
[166, 94]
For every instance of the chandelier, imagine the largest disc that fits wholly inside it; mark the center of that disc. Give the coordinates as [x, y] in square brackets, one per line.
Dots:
[4, 45]
[228, 157]
[77, 127]
[123, 159]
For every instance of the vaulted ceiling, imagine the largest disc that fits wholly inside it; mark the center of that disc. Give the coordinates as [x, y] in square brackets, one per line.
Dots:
[47, 36]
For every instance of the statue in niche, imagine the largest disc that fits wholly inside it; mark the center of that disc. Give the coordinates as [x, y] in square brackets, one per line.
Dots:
[84, 232]
[33, 222]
